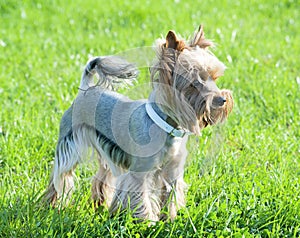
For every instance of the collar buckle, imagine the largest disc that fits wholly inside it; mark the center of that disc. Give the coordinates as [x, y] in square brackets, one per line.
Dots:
[177, 133]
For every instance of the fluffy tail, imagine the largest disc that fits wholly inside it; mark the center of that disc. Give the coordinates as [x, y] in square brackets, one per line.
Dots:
[111, 71]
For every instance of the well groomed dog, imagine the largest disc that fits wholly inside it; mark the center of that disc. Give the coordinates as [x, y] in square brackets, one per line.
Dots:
[141, 145]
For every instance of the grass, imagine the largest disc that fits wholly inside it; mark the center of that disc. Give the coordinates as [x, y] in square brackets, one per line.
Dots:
[243, 176]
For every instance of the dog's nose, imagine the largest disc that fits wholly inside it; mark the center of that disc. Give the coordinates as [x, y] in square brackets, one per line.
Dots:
[219, 101]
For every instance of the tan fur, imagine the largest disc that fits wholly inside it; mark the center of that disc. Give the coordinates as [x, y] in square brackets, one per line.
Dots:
[173, 74]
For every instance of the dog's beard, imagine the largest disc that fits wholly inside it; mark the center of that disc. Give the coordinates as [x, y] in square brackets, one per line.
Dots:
[208, 114]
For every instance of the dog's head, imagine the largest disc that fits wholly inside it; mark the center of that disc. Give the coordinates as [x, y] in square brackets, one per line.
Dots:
[184, 79]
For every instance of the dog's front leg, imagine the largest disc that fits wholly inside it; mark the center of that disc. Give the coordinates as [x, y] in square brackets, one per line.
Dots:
[170, 178]
[134, 192]
[173, 197]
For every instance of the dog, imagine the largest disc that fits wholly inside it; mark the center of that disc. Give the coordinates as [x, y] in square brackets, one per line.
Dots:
[141, 145]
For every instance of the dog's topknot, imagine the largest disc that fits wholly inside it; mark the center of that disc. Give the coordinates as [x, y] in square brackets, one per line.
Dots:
[200, 40]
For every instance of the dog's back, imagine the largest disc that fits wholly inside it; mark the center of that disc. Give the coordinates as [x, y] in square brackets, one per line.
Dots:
[118, 122]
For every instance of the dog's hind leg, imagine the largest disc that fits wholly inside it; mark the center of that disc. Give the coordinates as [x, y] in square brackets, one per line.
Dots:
[62, 181]
[103, 185]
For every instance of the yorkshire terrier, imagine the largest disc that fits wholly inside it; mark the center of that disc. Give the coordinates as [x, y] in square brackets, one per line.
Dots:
[141, 145]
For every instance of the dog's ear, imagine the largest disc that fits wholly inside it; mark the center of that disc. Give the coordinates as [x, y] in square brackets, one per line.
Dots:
[200, 40]
[173, 42]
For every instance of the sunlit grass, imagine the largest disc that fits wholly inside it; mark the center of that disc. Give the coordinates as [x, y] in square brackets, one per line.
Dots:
[243, 176]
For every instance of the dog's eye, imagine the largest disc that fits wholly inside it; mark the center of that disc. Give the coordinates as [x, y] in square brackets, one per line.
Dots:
[196, 84]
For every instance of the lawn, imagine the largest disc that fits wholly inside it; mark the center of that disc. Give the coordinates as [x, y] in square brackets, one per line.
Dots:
[243, 176]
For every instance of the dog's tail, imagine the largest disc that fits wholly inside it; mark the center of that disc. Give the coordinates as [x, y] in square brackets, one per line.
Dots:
[111, 71]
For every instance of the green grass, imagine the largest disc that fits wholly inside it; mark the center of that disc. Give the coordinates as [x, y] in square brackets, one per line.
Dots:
[244, 176]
